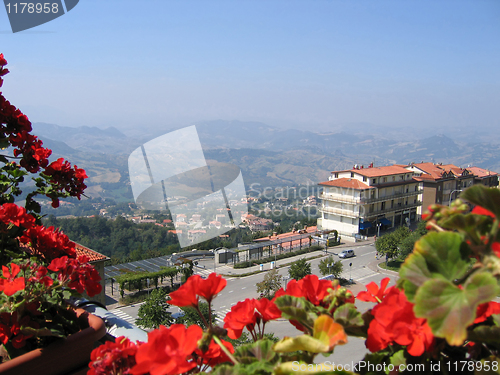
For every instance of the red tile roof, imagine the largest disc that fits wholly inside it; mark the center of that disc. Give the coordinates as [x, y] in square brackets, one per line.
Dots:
[380, 171]
[431, 169]
[94, 256]
[481, 172]
[351, 183]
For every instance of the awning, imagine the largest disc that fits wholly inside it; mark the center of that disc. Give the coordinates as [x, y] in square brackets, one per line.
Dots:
[365, 225]
[385, 221]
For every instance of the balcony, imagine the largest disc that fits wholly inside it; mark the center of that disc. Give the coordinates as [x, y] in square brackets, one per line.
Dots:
[366, 200]
[340, 198]
[393, 209]
[338, 211]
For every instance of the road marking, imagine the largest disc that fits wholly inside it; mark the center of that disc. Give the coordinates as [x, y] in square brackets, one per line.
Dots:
[371, 252]
[234, 303]
[230, 291]
[367, 276]
[244, 287]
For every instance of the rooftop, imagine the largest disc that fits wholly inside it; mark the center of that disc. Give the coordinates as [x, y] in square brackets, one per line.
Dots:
[351, 183]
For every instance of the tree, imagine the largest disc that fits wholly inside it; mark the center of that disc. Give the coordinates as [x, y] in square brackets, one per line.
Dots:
[299, 269]
[270, 285]
[406, 246]
[153, 312]
[191, 316]
[335, 269]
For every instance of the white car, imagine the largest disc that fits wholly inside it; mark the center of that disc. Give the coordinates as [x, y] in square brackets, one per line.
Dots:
[346, 254]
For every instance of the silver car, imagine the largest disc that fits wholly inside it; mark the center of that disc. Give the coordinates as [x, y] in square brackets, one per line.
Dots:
[346, 254]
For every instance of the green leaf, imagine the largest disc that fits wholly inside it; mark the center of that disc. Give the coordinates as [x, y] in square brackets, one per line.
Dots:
[486, 334]
[298, 309]
[484, 197]
[437, 255]
[348, 316]
[261, 350]
[398, 359]
[448, 309]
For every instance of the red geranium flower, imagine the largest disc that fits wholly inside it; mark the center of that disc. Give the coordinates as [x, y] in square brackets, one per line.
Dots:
[241, 315]
[267, 309]
[310, 287]
[113, 358]
[374, 293]
[10, 284]
[168, 351]
[11, 213]
[49, 243]
[394, 321]
[485, 310]
[186, 294]
[211, 286]
[214, 354]
[194, 287]
[478, 210]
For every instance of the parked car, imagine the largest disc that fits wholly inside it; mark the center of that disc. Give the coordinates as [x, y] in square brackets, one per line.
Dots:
[346, 254]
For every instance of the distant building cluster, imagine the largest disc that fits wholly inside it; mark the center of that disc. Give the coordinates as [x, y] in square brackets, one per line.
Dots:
[363, 200]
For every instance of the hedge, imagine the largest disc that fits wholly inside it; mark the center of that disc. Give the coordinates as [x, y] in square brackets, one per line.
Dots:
[137, 280]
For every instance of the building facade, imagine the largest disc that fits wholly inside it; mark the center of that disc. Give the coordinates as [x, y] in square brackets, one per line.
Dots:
[363, 200]
[443, 183]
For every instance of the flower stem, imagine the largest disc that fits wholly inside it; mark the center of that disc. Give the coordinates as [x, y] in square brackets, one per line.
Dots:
[225, 350]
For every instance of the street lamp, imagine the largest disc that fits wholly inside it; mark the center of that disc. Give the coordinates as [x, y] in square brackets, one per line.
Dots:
[350, 273]
[451, 195]
[329, 265]
[378, 229]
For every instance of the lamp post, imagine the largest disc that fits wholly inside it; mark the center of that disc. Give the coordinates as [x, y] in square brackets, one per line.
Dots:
[350, 273]
[329, 265]
[451, 195]
[378, 229]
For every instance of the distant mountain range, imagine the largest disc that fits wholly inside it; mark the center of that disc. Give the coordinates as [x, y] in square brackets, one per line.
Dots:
[267, 155]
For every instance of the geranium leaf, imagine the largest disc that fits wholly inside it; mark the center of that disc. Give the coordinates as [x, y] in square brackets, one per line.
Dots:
[398, 359]
[261, 350]
[329, 332]
[484, 197]
[302, 342]
[436, 255]
[348, 316]
[298, 309]
[484, 334]
[448, 309]
[299, 367]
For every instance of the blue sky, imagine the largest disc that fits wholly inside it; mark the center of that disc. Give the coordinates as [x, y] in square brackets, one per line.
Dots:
[316, 64]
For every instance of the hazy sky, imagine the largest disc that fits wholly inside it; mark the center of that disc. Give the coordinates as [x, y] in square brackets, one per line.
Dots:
[310, 63]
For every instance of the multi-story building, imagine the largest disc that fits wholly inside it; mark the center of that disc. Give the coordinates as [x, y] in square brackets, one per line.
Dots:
[442, 183]
[353, 201]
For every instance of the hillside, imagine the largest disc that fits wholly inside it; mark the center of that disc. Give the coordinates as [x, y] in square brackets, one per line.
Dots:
[267, 155]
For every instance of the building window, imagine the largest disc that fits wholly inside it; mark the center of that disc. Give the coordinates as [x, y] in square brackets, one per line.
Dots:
[352, 174]
[364, 178]
[337, 175]
[393, 178]
[374, 181]
[385, 179]
[439, 188]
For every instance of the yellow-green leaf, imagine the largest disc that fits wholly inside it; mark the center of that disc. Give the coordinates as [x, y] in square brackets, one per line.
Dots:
[329, 332]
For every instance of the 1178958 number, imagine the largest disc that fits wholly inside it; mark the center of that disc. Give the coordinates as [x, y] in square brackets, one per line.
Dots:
[472, 365]
[32, 7]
